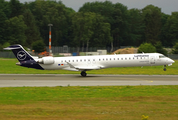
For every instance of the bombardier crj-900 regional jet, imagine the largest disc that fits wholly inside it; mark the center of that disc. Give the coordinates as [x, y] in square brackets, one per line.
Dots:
[86, 63]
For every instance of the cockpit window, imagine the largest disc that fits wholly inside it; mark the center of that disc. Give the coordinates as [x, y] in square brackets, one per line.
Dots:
[161, 56]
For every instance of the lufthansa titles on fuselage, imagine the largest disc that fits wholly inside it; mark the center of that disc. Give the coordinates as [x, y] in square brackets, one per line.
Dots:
[141, 55]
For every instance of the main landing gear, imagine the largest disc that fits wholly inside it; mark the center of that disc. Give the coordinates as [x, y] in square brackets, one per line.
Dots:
[164, 68]
[83, 74]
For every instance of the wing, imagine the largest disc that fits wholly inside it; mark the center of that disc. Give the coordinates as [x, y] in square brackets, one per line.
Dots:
[84, 68]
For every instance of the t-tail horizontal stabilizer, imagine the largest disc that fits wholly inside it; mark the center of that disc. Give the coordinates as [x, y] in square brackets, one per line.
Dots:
[23, 57]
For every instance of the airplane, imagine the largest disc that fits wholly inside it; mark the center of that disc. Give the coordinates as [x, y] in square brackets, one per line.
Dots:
[87, 63]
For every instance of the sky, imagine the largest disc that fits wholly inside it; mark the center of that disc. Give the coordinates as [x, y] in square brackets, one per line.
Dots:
[167, 6]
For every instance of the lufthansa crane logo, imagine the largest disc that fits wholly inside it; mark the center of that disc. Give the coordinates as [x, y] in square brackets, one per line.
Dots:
[21, 55]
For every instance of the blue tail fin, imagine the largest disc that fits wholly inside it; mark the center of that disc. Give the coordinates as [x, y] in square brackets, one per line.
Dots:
[25, 59]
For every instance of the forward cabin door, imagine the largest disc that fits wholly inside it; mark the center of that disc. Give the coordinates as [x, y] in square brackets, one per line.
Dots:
[152, 59]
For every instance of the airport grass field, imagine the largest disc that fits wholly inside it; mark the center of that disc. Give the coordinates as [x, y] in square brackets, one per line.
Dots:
[89, 103]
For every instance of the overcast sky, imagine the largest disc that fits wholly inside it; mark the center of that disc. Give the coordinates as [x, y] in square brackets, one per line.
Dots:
[167, 6]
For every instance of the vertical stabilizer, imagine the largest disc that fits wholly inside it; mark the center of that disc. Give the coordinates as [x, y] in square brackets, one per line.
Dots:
[25, 59]
[20, 53]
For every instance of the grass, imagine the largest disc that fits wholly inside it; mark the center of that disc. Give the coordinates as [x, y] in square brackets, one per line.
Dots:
[8, 67]
[89, 103]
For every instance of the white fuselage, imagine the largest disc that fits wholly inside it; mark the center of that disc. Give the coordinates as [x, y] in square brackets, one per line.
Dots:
[85, 63]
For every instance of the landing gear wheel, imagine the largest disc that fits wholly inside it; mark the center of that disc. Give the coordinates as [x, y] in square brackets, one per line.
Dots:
[164, 68]
[83, 74]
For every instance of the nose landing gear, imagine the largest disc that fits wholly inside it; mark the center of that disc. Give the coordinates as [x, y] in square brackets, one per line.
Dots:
[164, 68]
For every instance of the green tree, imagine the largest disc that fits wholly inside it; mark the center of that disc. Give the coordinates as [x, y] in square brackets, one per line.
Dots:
[136, 27]
[146, 48]
[120, 25]
[16, 30]
[104, 9]
[5, 7]
[82, 28]
[4, 13]
[52, 12]
[175, 49]
[32, 33]
[6, 44]
[90, 28]
[160, 49]
[16, 8]
[1, 47]
[164, 31]
[38, 46]
[114, 14]
[102, 36]
[171, 28]
[152, 20]
[2, 26]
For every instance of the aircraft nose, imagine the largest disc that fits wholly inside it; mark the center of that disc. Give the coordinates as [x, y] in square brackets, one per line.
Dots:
[171, 61]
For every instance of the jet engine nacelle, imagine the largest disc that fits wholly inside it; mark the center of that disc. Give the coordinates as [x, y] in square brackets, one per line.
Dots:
[46, 60]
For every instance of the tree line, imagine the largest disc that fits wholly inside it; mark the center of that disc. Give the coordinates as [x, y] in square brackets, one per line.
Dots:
[96, 24]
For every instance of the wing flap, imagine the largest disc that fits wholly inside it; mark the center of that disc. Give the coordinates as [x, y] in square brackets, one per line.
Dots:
[84, 68]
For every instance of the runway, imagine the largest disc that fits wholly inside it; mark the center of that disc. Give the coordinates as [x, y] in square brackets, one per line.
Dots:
[51, 80]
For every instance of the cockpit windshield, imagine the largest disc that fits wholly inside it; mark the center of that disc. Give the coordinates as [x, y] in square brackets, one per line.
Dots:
[161, 56]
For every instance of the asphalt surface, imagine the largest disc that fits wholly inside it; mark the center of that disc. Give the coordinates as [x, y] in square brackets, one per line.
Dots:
[51, 80]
